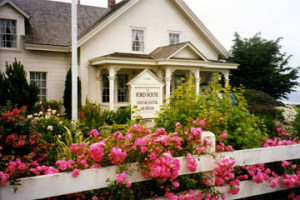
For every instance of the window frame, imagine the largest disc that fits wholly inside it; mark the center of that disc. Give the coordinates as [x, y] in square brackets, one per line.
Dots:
[38, 82]
[120, 97]
[134, 48]
[105, 90]
[170, 37]
[14, 35]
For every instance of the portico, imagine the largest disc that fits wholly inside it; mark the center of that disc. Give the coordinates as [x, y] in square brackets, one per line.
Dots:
[169, 64]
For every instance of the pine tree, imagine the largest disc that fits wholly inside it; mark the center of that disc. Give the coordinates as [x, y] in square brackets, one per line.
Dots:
[68, 94]
[15, 88]
[262, 66]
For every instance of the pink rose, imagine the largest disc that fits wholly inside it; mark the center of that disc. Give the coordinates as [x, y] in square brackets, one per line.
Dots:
[75, 172]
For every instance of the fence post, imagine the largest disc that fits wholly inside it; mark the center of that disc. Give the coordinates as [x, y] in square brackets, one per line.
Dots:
[211, 149]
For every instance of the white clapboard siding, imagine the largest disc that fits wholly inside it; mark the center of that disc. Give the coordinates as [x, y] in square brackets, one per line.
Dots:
[64, 183]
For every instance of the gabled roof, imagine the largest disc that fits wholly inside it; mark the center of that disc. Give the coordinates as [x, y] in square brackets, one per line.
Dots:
[50, 21]
[11, 3]
[167, 52]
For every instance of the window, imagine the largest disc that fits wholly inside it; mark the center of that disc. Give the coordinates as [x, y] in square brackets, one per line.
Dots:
[122, 88]
[105, 88]
[8, 36]
[39, 79]
[137, 40]
[179, 79]
[174, 38]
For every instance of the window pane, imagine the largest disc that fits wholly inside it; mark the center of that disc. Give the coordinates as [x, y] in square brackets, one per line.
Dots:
[137, 40]
[8, 37]
[39, 79]
[174, 38]
[122, 88]
[105, 88]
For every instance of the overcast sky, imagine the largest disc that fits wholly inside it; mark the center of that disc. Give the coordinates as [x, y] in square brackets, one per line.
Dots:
[273, 18]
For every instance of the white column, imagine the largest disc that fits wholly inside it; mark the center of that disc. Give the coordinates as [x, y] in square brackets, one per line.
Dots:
[168, 82]
[226, 76]
[112, 75]
[197, 80]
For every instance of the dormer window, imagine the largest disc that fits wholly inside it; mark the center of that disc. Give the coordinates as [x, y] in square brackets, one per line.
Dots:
[8, 33]
[137, 40]
[174, 38]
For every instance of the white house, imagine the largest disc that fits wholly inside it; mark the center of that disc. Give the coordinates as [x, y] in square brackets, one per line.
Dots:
[115, 45]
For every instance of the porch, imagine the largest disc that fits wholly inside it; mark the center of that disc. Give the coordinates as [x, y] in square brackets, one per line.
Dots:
[110, 74]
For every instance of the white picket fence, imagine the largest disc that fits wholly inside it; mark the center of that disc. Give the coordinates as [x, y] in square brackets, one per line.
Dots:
[64, 183]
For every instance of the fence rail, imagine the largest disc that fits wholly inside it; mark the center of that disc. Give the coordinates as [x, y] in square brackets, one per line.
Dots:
[89, 179]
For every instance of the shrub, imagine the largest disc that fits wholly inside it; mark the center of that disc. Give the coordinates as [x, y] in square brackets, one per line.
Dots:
[52, 104]
[296, 123]
[68, 94]
[257, 97]
[223, 110]
[15, 88]
[91, 116]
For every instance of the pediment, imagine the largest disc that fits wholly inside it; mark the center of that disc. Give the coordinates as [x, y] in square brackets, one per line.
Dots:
[146, 77]
[187, 53]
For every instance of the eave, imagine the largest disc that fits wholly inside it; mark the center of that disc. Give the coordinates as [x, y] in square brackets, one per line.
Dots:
[40, 47]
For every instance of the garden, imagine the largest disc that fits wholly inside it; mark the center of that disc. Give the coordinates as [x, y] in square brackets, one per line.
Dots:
[41, 141]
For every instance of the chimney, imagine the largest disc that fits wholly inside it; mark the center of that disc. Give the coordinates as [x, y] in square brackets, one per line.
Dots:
[111, 2]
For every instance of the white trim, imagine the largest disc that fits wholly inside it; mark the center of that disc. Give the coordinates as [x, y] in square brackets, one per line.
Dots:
[105, 22]
[193, 48]
[40, 47]
[15, 7]
[162, 62]
[202, 28]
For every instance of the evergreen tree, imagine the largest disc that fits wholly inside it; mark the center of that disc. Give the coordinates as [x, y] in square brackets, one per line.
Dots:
[68, 94]
[15, 88]
[262, 66]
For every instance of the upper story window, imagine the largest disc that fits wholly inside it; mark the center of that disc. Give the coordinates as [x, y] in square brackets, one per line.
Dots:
[39, 79]
[174, 38]
[137, 40]
[8, 33]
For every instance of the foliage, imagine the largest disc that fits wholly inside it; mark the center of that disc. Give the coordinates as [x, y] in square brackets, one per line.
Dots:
[155, 153]
[91, 116]
[257, 97]
[68, 94]
[15, 88]
[20, 144]
[262, 66]
[44, 105]
[221, 109]
[296, 123]
[54, 130]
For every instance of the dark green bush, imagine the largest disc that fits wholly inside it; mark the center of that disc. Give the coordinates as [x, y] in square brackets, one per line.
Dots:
[15, 88]
[68, 94]
[257, 97]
